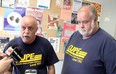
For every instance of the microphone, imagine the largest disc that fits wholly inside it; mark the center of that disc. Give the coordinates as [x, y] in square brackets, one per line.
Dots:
[14, 52]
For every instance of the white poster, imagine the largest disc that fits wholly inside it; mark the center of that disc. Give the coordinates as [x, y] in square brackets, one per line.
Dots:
[22, 3]
[8, 3]
[76, 5]
[1, 25]
[55, 42]
[44, 4]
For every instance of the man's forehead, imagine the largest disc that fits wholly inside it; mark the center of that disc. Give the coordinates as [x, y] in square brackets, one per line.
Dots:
[27, 25]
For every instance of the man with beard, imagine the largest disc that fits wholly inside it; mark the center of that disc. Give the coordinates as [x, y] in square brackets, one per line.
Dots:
[90, 50]
[38, 54]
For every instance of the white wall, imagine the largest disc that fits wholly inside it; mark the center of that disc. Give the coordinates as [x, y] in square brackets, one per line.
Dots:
[58, 67]
[108, 16]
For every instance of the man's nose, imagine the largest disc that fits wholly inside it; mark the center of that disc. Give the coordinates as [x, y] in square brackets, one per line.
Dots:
[81, 24]
[26, 30]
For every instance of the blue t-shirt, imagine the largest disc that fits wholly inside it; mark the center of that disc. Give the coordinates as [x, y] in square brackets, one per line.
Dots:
[36, 56]
[95, 55]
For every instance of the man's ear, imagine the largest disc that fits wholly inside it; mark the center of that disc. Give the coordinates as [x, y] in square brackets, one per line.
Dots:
[96, 19]
[37, 28]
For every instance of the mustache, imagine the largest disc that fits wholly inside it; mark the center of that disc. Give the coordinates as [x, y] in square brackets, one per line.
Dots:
[82, 29]
[26, 35]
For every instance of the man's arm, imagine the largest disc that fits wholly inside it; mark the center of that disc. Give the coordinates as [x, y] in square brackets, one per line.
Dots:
[51, 69]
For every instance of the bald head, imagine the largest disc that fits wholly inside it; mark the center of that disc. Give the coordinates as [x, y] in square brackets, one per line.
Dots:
[28, 18]
[87, 21]
[89, 9]
[28, 29]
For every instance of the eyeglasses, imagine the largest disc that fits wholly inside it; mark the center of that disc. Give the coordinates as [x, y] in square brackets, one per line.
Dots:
[83, 22]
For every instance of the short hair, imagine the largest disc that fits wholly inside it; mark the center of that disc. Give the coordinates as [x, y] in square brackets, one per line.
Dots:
[30, 16]
[38, 21]
[93, 11]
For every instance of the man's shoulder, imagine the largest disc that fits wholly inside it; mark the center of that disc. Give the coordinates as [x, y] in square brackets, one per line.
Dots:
[41, 39]
[104, 34]
[76, 34]
[16, 39]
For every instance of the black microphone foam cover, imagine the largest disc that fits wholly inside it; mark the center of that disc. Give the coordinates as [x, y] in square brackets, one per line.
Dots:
[15, 52]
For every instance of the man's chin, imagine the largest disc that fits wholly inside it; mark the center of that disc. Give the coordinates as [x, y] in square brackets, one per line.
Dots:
[26, 41]
[83, 34]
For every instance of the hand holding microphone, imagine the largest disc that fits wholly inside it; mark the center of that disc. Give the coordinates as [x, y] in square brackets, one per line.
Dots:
[5, 63]
[14, 52]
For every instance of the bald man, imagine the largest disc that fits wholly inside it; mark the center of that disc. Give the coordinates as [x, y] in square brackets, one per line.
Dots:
[39, 55]
[90, 50]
